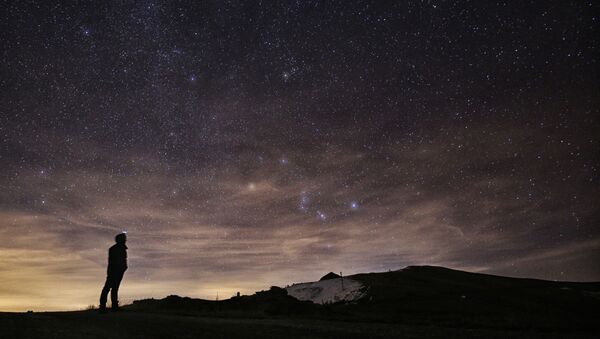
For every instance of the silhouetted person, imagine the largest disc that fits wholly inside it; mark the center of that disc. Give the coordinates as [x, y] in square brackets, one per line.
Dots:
[117, 265]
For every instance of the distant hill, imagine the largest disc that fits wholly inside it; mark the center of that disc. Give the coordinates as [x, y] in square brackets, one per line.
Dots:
[426, 296]
[441, 295]
[329, 275]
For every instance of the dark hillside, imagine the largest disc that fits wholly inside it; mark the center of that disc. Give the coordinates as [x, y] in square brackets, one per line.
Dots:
[428, 294]
[274, 302]
[423, 296]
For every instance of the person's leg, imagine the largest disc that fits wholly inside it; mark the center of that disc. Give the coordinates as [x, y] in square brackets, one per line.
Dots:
[104, 293]
[114, 292]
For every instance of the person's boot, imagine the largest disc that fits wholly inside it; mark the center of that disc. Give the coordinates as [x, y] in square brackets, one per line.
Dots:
[115, 307]
[102, 309]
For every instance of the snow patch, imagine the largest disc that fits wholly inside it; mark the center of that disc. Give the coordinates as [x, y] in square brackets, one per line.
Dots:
[327, 291]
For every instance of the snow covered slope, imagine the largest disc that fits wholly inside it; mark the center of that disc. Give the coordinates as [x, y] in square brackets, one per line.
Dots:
[327, 291]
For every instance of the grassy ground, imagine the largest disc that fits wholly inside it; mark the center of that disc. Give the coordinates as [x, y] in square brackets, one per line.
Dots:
[132, 324]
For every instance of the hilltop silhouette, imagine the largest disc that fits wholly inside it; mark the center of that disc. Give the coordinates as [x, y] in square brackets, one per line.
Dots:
[415, 302]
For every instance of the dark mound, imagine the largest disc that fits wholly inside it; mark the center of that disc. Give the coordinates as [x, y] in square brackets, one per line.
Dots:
[329, 276]
[275, 301]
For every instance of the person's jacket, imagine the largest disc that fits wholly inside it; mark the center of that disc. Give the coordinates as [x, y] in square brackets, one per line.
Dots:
[117, 258]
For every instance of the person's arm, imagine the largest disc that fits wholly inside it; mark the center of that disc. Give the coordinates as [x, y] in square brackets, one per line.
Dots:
[124, 260]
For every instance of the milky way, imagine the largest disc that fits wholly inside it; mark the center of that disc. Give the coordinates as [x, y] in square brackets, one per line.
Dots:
[246, 144]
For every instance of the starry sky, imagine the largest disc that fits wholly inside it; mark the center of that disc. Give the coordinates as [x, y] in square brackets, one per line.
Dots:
[244, 144]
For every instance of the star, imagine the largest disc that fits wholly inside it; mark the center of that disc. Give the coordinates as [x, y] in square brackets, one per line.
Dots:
[322, 216]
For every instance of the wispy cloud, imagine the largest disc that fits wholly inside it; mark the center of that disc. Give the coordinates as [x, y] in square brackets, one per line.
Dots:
[281, 216]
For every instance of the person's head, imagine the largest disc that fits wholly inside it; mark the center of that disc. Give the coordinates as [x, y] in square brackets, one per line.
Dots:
[121, 238]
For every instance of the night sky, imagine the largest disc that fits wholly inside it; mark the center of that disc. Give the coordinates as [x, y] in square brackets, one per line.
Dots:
[244, 144]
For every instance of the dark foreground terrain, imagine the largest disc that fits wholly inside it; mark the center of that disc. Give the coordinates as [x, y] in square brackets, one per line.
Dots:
[129, 324]
[416, 302]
